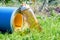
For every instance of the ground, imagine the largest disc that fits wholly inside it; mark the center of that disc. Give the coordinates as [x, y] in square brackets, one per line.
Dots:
[50, 31]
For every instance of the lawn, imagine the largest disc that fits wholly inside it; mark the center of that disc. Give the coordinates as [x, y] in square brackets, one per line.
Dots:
[50, 28]
[50, 31]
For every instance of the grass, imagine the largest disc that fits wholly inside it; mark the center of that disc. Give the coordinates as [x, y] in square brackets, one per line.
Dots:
[50, 31]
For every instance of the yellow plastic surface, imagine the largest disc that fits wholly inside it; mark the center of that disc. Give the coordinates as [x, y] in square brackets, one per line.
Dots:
[18, 20]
